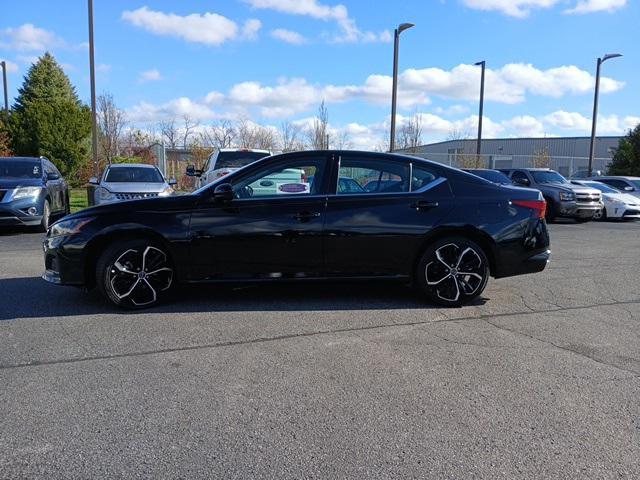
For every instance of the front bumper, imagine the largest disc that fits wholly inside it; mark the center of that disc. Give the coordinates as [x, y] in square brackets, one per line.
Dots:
[16, 212]
[63, 261]
[578, 210]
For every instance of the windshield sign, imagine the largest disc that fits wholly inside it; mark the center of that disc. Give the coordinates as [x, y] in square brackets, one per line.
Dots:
[20, 169]
[133, 175]
[548, 177]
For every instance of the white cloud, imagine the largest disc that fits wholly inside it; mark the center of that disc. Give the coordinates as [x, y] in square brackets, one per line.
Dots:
[10, 66]
[590, 6]
[251, 28]
[103, 68]
[148, 112]
[525, 126]
[150, 76]
[452, 110]
[207, 28]
[288, 36]
[568, 121]
[349, 32]
[28, 37]
[522, 8]
[576, 122]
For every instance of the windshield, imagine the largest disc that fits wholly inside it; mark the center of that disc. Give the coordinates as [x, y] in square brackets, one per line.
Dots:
[20, 168]
[238, 159]
[133, 174]
[636, 183]
[492, 175]
[548, 176]
[602, 187]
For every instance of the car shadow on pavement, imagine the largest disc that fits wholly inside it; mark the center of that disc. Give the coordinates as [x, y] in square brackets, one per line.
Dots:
[32, 297]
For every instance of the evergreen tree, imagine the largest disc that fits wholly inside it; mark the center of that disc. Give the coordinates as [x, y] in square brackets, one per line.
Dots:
[626, 160]
[48, 118]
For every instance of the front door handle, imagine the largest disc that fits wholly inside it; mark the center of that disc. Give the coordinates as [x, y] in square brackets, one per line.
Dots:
[424, 205]
[306, 216]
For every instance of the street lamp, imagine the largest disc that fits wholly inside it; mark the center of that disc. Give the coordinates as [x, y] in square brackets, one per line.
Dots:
[482, 64]
[394, 92]
[4, 82]
[92, 75]
[594, 120]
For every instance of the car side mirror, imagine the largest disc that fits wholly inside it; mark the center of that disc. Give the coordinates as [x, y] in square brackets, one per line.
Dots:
[93, 181]
[629, 189]
[522, 181]
[192, 171]
[173, 181]
[52, 176]
[223, 193]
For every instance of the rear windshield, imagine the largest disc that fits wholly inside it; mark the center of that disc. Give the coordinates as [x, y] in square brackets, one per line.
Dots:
[20, 169]
[237, 159]
[133, 174]
[545, 176]
[492, 175]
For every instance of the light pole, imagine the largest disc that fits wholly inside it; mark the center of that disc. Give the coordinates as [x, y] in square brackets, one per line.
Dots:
[4, 83]
[594, 120]
[394, 91]
[92, 74]
[482, 64]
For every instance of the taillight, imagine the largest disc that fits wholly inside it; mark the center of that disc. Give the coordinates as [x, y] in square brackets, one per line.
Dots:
[539, 207]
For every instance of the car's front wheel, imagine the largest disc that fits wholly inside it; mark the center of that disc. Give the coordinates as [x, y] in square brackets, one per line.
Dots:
[134, 274]
[453, 271]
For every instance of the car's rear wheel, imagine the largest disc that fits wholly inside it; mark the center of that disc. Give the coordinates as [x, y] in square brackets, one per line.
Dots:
[453, 271]
[134, 274]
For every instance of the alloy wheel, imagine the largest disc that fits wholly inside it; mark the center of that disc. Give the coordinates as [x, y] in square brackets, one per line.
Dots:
[138, 275]
[455, 271]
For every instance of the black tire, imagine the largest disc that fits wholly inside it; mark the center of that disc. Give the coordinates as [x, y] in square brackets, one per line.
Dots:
[452, 272]
[601, 215]
[46, 217]
[120, 276]
[550, 215]
[67, 205]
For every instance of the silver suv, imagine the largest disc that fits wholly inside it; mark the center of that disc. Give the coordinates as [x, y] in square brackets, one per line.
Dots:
[131, 181]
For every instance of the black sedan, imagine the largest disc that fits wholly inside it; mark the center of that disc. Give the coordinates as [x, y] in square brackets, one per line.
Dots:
[289, 218]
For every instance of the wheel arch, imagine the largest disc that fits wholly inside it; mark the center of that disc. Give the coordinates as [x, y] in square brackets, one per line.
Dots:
[100, 242]
[484, 241]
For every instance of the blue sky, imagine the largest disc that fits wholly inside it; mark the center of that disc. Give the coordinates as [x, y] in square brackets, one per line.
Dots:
[275, 60]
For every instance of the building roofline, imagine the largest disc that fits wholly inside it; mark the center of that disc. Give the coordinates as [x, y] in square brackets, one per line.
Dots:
[502, 139]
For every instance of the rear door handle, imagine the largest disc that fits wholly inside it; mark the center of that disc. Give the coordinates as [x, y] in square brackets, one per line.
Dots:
[424, 205]
[304, 216]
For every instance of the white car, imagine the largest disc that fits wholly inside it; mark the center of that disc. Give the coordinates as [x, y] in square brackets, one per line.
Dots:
[131, 181]
[224, 161]
[617, 204]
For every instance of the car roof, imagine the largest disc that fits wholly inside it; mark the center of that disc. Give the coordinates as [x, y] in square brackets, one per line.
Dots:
[622, 177]
[257, 150]
[121, 165]
[22, 159]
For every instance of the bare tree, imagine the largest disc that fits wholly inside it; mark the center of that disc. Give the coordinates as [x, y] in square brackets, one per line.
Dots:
[317, 134]
[219, 135]
[458, 133]
[290, 137]
[188, 127]
[252, 135]
[541, 158]
[410, 134]
[169, 132]
[111, 122]
[342, 141]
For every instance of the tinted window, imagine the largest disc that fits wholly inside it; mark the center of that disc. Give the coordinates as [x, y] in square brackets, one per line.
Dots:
[20, 169]
[133, 174]
[237, 159]
[296, 177]
[348, 185]
[619, 184]
[422, 176]
[545, 176]
[491, 175]
[601, 186]
[374, 175]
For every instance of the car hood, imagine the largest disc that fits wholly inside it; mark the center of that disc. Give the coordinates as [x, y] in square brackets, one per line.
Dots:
[623, 197]
[134, 187]
[570, 187]
[9, 183]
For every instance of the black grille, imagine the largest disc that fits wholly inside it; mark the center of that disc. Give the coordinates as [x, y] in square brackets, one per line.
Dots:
[134, 196]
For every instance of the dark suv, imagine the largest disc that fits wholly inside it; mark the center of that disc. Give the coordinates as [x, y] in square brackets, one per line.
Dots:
[31, 192]
[564, 199]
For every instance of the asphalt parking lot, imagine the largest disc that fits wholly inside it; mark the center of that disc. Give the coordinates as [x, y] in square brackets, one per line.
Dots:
[539, 379]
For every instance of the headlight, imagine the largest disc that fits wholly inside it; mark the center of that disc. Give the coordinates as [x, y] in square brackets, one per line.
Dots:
[25, 192]
[104, 194]
[166, 192]
[567, 197]
[68, 227]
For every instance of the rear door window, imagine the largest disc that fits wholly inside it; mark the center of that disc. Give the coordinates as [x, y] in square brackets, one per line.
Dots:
[372, 175]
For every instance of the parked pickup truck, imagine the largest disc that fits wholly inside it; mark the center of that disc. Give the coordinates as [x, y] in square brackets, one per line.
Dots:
[564, 199]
